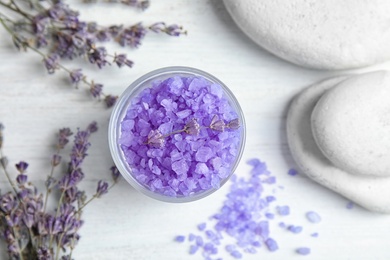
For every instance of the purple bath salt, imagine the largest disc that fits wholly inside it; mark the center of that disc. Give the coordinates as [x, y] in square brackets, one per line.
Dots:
[303, 251]
[295, 229]
[271, 245]
[292, 172]
[180, 239]
[283, 210]
[180, 136]
[313, 217]
[202, 226]
[349, 205]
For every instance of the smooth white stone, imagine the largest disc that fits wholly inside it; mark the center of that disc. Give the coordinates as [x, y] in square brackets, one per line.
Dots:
[370, 192]
[351, 124]
[329, 34]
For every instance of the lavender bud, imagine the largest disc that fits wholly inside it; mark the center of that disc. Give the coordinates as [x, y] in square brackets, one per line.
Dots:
[96, 89]
[192, 127]
[21, 179]
[92, 127]
[155, 139]
[4, 161]
[76, 76]
[8, 202]
[102, 188]
[121, 60]
[44, 253]
[51, 62]
[217, 124]
[14, 218]
[110, 100]
[233, 124]
[21, 166]
[115, 173]
[55, 160]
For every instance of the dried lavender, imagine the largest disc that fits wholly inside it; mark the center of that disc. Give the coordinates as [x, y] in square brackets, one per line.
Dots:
[29, 228]
[54, 31]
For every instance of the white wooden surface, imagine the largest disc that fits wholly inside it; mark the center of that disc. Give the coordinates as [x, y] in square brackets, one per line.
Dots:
[128, 225]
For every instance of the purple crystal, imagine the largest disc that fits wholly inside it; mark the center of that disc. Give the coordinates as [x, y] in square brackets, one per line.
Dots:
[313, 217]
[271, 245]
[283, 210]
[303, 251]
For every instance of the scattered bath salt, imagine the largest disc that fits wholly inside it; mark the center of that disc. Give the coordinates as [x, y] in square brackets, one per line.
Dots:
[202, 226]
[295, 229]
[180, 239]
[283, 210]
[191, 237]
[185, 141]
[244, 217]
[303, 251]
[314, 234]
[350, 205]
[271, 245]
[313, 217]
[193, 249]
[236, 254]
[292, 172]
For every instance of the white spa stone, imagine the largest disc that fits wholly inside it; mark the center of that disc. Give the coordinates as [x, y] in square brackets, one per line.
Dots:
[329, 34]
[351, 124]
[371, 192]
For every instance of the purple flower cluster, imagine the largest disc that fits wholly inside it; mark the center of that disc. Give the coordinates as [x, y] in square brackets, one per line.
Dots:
[58, 29]
[245, 217]
[180, 137]
[27, 226]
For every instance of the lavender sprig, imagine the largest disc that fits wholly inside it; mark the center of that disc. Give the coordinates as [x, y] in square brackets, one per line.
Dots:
[31, 230]
[54, 31]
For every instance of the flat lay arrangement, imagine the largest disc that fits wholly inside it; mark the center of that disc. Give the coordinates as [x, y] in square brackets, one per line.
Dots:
[233, 130]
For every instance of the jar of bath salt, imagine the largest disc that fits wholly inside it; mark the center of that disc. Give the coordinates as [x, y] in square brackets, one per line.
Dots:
[177, 134]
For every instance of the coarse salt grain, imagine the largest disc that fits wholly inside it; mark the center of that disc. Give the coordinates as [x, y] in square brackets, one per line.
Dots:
[188, 162]
[292, 172]
[180, 239]
[283, 210]
[313, 217]
[303, 251]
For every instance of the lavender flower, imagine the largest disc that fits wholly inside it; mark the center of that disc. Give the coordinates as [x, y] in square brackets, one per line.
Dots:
[42, 232]
[56, 32]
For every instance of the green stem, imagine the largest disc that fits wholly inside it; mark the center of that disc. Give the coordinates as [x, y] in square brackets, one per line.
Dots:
[16, 9]
[7, 175]
[58, 246]
[91, 199]
[48, 191]
[19, 251]
[57, 212]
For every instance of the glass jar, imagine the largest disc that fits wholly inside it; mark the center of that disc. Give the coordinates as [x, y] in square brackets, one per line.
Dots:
[173, 134]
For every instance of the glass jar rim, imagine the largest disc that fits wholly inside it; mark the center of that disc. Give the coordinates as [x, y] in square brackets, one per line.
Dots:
[119, 112]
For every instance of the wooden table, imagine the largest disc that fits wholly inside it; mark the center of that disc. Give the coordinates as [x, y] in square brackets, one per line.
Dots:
[127, 225]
